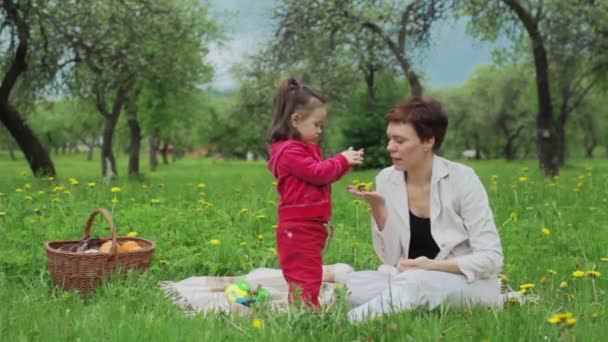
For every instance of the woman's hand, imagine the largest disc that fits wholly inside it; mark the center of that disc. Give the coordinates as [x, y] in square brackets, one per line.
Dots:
[374, 198]
[418, 263]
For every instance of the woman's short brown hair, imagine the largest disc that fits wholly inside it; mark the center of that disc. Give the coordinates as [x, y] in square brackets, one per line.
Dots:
[426, 116]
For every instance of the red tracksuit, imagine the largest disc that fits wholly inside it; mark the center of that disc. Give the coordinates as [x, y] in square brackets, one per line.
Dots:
[304, 186]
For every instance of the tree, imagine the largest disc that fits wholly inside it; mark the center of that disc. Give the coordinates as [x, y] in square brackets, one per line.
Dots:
[578, 29]
[118, 44]
[402, 26]
[21, 25]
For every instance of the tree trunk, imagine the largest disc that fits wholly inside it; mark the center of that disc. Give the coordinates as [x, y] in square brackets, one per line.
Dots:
[163, 152]
[91, 148]
[477, 147]
[134, 146]
[154, 142]
[369, 73]
[545, 128]
[11, 151]
[35, 154]
[37, 157]
[560, 142]
[590, 144]
[108, 162]
[509, 149]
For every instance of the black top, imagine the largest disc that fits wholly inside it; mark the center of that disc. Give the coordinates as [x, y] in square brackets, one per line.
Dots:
[421, 240]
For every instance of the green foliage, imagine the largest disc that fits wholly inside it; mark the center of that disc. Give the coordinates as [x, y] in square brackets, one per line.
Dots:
[363, 129]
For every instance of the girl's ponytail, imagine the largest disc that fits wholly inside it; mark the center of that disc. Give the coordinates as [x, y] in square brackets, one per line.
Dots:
[291, 96]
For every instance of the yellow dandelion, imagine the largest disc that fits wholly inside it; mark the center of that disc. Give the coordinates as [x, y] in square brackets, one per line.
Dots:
[27, 186]
[523, 179]
[526, 286]
[243, 210]
[132, 234]
[2, 213]
[563, 285]
[73, 181]
[215, 242]
[58, 188]
[338, 286]
[18, 190]
[257, 323]
[504, 278]
[523, 291]
[554, 320]
[50, 179]
[593, 274]
[605, 259]
[28, 198]
[202, 185]
[56, 199]
[260, 237]
[114, 200]
[545, 231]
[578, 274]
[155, 201]
[91, 184]
[116, 189]
[571, 321]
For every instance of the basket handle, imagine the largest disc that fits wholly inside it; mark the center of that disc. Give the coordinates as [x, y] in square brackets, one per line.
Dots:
[108, 217]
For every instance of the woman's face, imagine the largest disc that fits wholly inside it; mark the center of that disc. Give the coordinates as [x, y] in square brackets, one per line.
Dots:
[405, 147]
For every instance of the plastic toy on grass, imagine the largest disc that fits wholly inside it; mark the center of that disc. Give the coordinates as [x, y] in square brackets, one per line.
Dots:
[241, 293]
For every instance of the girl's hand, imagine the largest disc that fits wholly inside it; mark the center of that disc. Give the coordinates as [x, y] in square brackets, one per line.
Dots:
[374, 198]
[354, 157]
[422, 262]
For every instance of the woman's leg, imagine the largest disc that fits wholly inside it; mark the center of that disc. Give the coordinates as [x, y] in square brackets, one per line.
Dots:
[428, 290]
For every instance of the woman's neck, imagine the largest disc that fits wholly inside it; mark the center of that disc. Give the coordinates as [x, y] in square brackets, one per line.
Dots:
[421, 174]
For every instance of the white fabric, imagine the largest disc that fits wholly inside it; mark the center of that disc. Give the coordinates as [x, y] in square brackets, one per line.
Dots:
[462, 223]
[379, 293]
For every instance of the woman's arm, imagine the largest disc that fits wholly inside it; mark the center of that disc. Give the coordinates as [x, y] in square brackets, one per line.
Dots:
[447, 265]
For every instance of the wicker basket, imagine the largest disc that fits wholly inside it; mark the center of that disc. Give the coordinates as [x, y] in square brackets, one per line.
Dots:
[80, 271]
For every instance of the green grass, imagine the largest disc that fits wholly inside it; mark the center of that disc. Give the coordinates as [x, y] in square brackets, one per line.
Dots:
[189, 216]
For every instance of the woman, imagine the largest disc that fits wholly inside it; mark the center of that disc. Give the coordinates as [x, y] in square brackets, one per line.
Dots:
[431, 220]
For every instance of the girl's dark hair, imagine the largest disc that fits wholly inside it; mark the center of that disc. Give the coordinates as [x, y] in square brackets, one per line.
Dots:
[426, 116]
[292, 96]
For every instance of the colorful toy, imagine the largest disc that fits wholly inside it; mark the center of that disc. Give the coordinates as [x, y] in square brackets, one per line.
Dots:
[241, 293]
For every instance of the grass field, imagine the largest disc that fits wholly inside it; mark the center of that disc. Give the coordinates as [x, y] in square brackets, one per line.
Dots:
[551, 228]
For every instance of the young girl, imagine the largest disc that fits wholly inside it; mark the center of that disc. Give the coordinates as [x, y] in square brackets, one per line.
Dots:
[304, 180]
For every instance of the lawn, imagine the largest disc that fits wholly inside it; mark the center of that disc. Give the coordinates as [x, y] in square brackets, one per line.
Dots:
[551, 229]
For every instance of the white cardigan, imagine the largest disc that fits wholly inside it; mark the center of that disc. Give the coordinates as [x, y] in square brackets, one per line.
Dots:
[462, 222]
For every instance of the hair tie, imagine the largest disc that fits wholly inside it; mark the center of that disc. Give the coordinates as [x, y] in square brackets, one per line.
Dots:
[294, 84]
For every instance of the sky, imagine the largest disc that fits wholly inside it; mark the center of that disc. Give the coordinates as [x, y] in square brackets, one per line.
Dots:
[450, 60]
